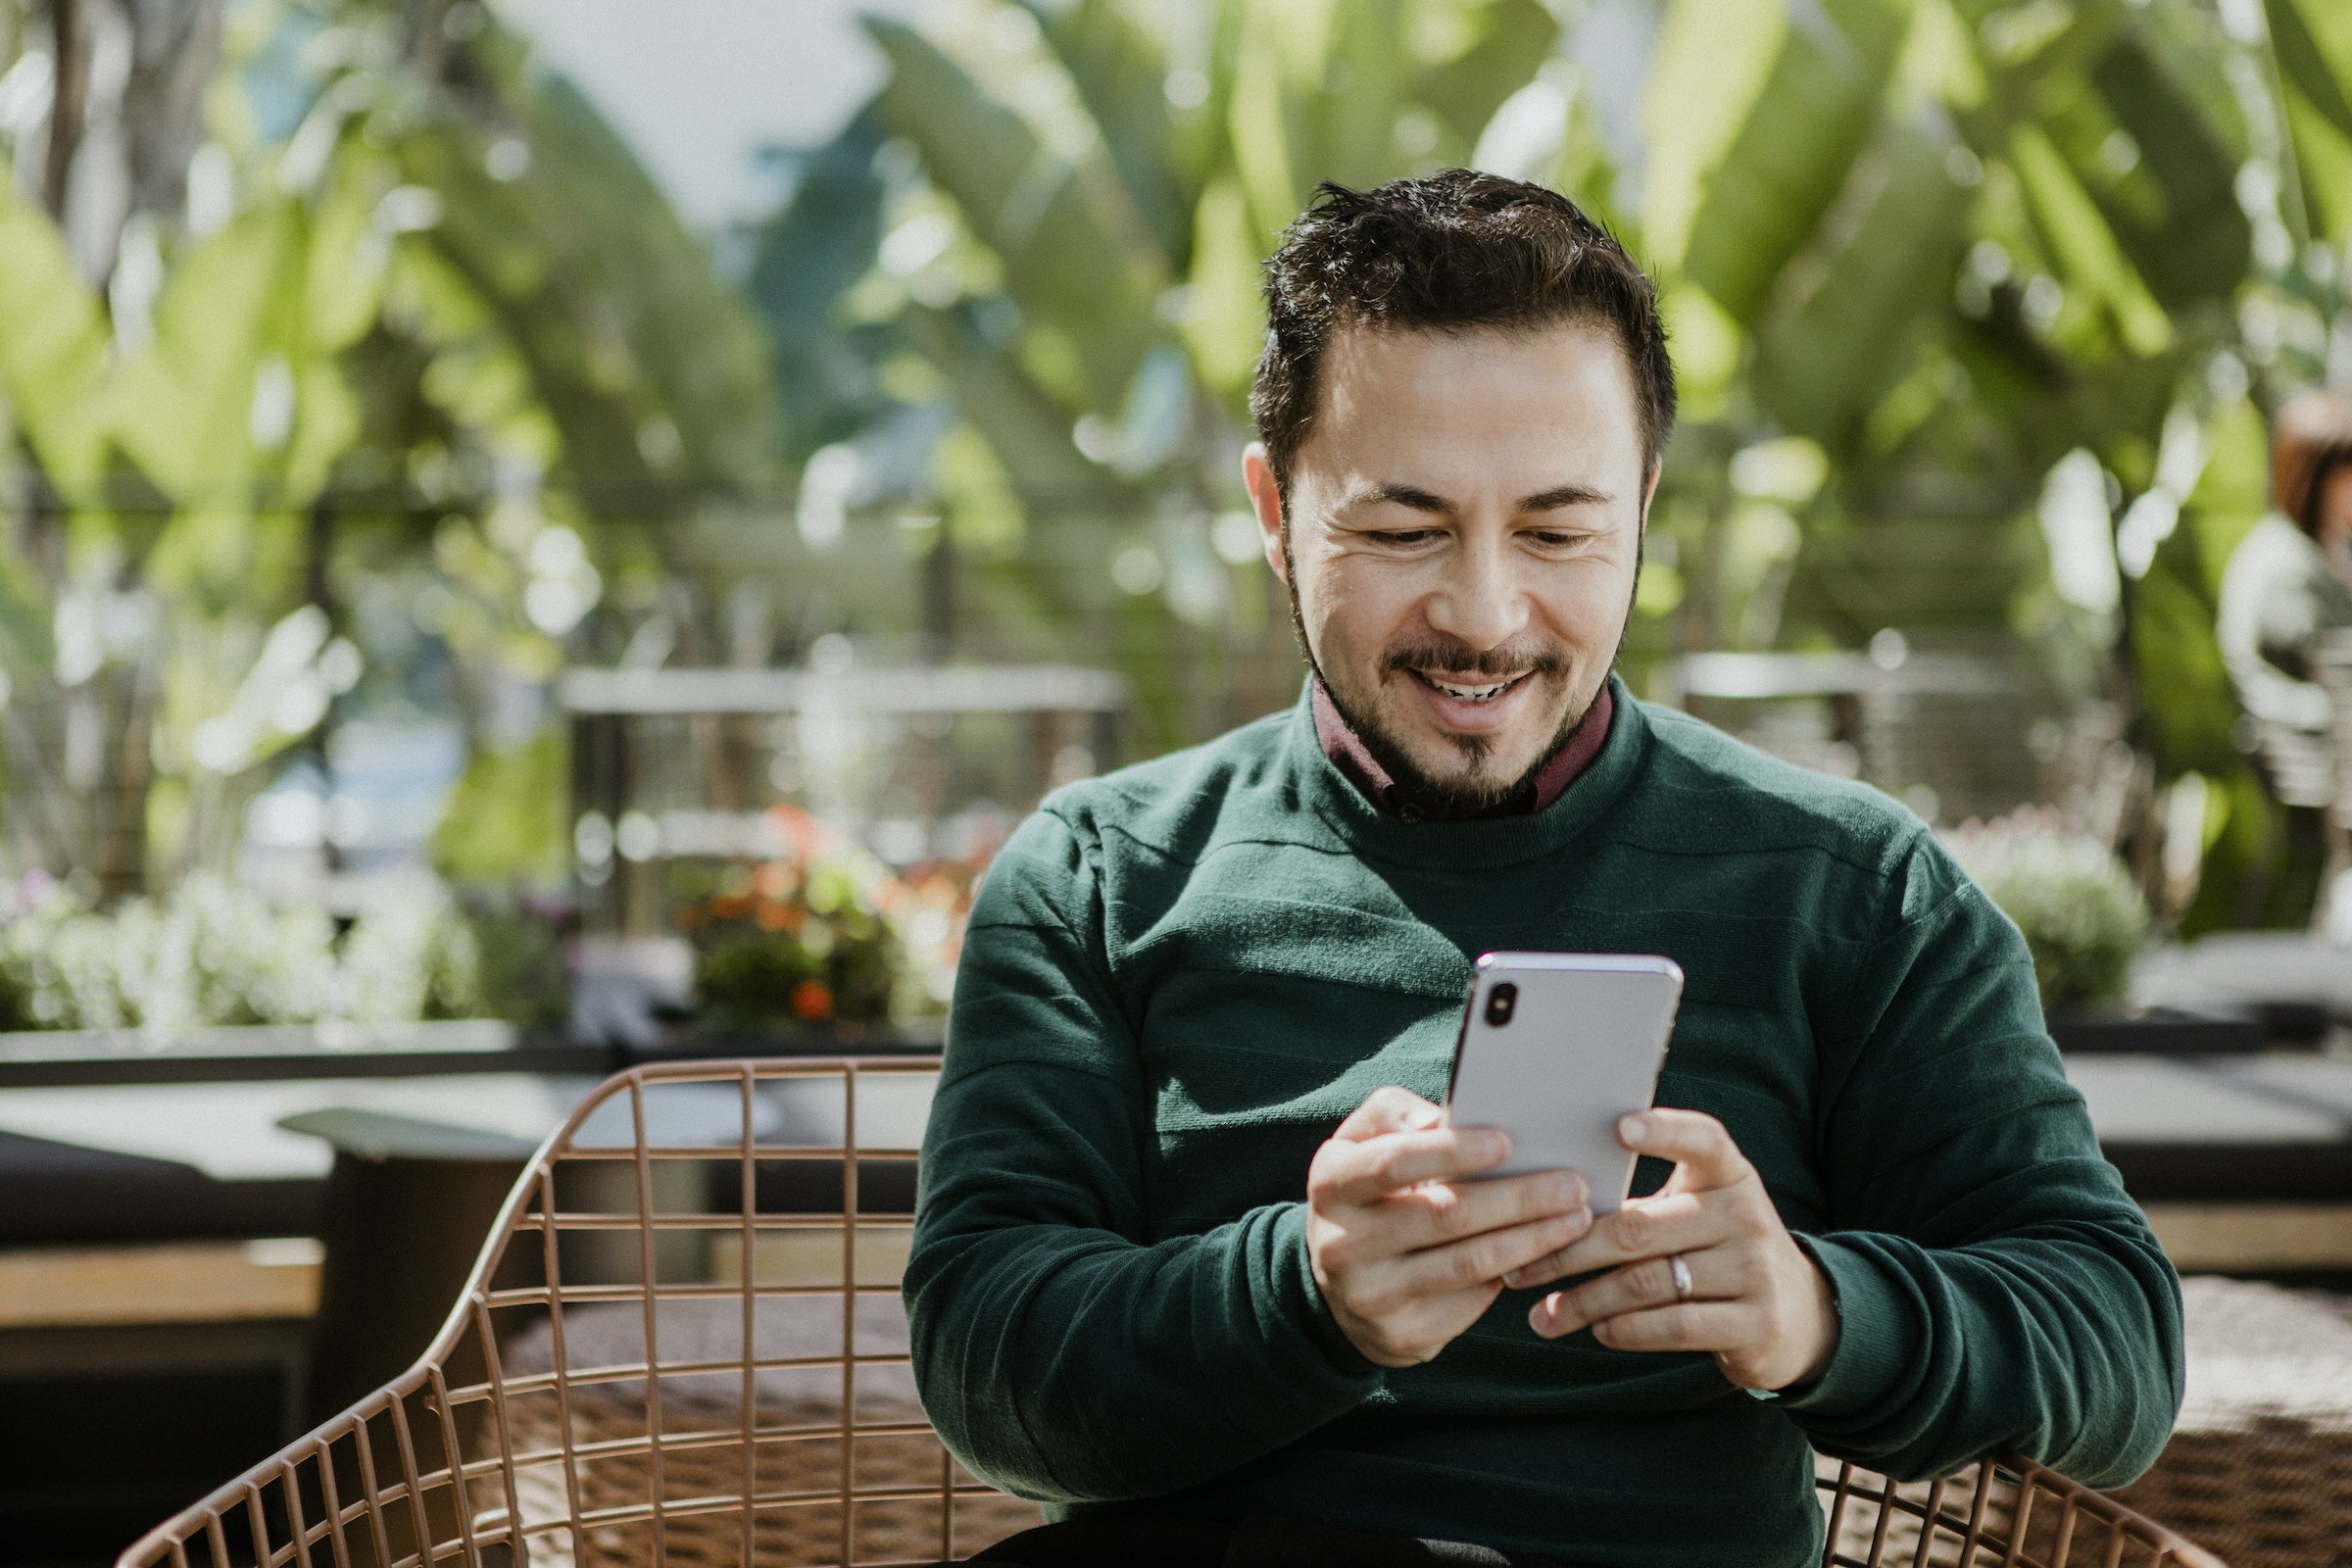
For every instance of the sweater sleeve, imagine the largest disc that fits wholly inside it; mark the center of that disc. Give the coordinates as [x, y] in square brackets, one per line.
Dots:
[1063, 1354]
[1997, 1289]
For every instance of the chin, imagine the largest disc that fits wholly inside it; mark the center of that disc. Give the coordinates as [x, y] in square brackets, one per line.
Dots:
[1469, 762]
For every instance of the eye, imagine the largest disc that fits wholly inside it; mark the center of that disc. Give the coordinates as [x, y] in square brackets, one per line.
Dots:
[1405, 538]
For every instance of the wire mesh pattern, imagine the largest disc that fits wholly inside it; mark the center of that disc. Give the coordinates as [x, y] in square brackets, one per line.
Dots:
[2004, 1513]
[682, 1345]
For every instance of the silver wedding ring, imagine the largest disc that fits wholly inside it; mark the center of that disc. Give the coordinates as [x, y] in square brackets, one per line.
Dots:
[1681, 1277]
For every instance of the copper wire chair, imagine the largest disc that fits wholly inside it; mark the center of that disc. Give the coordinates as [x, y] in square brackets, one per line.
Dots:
[683, 1346]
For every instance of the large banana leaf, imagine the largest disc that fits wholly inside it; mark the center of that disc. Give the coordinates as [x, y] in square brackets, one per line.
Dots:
[1756, 109]
[1031, 435]
[53, 352]
[2078, 233]
[1070, 240]
[2186, 235]
[805, 259]
[1500, 42]
[2313, 39]
[1832, 348]
[1225, 326]
[1120, 69]
[184, 409]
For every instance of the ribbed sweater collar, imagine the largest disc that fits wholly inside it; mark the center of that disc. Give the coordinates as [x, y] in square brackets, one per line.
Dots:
[1481, 843]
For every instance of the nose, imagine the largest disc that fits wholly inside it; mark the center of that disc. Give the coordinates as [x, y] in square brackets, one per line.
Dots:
[1479, 599]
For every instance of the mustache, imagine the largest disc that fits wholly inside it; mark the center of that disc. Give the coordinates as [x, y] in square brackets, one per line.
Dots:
[1449, 659]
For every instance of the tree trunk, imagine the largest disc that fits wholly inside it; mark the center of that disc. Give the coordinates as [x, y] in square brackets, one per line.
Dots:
[174, 46]
[69, 47]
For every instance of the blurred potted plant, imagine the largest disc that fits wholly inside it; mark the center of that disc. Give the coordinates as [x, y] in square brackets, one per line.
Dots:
[2082, 916]
[216, 953]
[826, 935]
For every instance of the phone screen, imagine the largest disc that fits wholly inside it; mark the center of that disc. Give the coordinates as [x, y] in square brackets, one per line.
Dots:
[1554, 1048]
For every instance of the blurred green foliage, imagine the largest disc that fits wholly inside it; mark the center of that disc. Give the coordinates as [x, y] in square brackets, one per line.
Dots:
[436, 329]
[434, 361]
[1914, 253]
[2082, 914]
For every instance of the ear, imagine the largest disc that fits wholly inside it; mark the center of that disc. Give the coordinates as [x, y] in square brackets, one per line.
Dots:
[1649, 492]
[1265, 496]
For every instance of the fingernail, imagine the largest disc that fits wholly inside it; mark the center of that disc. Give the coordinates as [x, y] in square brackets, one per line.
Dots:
[1633, 1127]
[1494, 1145]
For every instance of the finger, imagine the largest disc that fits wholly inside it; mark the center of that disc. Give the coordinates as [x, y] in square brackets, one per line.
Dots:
[1477, 1261]
[1439, 1213]
[1728, 1326]
[1360, 1173]
[1653, 1227]
[1717, 1274]
[1389, 1109]
[1694, 1141]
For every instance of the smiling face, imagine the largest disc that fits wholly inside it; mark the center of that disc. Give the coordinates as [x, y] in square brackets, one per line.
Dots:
[1465, 533]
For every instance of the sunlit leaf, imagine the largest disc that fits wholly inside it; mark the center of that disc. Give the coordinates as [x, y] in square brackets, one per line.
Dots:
[1838, 339]
[1050, 214]
[1754, 196]
[1261, 139]
[1120, 69]
[2313, 41]
[53, 351]
[1225, 318]
[2324, 158]
[1507, 38]
[184, 409]
[2085, 245]
[1030, 434]
[2194, 244]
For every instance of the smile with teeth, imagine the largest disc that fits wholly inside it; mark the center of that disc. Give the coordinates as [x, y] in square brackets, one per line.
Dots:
[1464, 691]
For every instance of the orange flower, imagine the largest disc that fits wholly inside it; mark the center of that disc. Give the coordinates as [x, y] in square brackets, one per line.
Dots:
[812, 1000]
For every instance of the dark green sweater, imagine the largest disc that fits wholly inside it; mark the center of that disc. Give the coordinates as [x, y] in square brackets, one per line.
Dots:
[1180, 978]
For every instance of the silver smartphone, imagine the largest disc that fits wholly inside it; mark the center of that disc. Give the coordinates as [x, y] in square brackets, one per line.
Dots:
[1554, 1048]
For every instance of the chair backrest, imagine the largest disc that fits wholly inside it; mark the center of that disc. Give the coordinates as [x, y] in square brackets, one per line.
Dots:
[616, 1386]
[2003, 1512]
[683, 1344]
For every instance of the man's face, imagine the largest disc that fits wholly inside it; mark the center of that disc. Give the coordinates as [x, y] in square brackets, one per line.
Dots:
[1465, 523]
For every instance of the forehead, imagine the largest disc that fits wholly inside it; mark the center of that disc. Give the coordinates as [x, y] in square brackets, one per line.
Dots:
[1518, 397]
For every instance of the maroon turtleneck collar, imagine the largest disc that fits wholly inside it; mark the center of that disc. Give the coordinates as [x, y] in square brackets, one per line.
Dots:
[1350, 754]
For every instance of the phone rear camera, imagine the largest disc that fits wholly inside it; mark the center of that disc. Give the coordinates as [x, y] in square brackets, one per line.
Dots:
[1500, 1004]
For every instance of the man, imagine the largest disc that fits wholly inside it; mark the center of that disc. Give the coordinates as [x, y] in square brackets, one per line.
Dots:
[1195, 1260]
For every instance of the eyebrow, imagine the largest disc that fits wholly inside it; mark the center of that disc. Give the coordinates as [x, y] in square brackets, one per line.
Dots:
[1419, 500]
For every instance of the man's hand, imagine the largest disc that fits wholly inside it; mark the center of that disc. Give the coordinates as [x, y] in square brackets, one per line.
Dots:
[1756, 1300]
[1408, 1254]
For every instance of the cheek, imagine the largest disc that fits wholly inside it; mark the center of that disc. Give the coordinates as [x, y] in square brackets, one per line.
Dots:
[1350, 602]
[1588, 606]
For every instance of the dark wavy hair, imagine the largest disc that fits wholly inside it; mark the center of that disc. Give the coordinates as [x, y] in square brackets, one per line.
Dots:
[1449, 252]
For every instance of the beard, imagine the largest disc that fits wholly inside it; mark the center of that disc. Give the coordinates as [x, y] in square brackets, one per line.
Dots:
[1475, 791]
